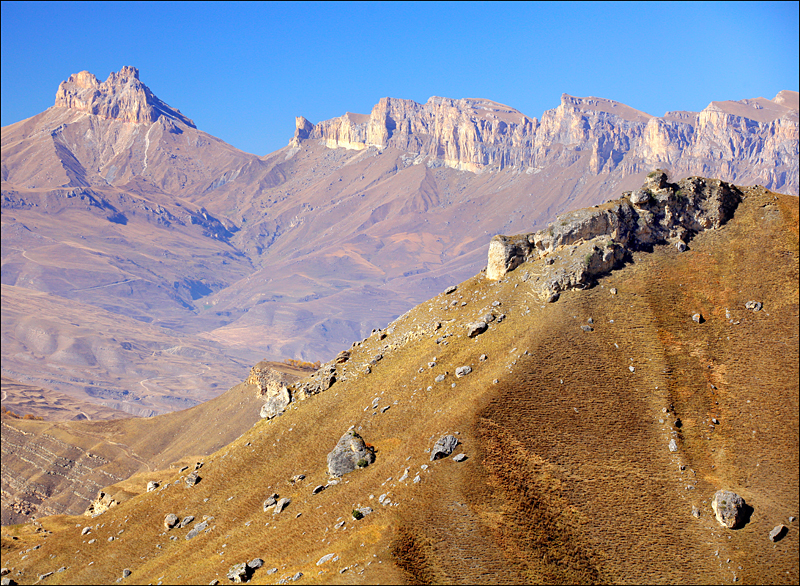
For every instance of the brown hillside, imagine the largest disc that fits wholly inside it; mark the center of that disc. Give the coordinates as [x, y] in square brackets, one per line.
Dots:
[568, 476]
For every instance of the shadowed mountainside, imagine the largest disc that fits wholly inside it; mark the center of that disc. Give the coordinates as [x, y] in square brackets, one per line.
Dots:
[566, 420]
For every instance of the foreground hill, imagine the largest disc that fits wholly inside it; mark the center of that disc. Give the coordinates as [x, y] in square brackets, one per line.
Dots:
[593, 426]
[183, 260]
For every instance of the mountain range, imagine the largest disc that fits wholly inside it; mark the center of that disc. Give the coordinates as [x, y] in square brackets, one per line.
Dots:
[146, 264]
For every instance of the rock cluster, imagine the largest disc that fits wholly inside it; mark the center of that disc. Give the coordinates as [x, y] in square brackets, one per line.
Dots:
[593, 241]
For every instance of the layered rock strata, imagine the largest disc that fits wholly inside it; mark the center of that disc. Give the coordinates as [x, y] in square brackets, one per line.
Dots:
[579, 246]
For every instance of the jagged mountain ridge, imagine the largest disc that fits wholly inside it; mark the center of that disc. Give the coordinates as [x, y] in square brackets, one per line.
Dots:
[292, 254]
[480, 135]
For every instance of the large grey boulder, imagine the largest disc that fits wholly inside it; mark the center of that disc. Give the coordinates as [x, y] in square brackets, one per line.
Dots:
[729, 508]
[444, 447]
[351, 452]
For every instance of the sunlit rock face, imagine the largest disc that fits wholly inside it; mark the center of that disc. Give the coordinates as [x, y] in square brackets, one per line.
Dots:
[748, 141]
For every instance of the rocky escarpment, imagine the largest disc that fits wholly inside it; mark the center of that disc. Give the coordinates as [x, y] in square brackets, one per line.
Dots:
[121, 97]
[751, 141]
[582, 245]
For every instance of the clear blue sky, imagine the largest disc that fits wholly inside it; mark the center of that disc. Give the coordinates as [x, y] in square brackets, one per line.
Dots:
[243, 71]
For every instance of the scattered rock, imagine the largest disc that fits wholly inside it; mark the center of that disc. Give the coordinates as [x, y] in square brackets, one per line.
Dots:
[192, 479]
[728, 508]
[439, 378]
[451, 289]
[152, 485]
[459, 458]
[673, 445]
[350, 453]
[85, 531]
[778, 532]
[476, 328]
[695, 512]
[698, 318]
[297, 478]
[365, 511]
[255, 563]
[613, 290]
[186, 520]
[754, 305]
[126, 572]
[170, 521]
[483, 358]
[281, 505]
[587, 328]
[317, 489]
[444, 447]
[463, 371]
[326, 558]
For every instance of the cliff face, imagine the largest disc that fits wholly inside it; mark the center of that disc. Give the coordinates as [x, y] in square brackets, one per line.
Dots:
[751, 141]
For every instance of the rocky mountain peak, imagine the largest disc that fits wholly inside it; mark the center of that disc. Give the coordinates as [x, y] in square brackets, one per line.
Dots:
[121, 97]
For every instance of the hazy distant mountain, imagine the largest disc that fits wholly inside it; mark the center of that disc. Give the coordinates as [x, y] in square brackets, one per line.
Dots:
[147, 264]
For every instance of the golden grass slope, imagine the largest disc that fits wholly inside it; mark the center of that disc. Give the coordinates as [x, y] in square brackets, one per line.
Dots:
[568, 479]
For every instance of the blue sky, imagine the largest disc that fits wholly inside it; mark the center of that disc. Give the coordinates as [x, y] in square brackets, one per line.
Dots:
[243, 71]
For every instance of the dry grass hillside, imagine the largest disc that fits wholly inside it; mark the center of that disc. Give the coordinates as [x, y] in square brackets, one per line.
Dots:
[51, 467]
[568, 476]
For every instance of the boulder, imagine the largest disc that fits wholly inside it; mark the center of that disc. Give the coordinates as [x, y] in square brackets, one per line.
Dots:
[170, 521]
[351, 452]
[444, 447]
[463, 371]
[239, 573]
[275, 405]
[778, 532]
[754, 305]
[476, 328]
[256, 563]
[192, 479]
[281, 505]
[728, 508]
[186, 520]
[152, 485]
[270, 502]
[195, 531]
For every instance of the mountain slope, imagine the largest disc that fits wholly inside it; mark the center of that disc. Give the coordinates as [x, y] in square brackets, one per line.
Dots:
[569, 476]
[114, 201]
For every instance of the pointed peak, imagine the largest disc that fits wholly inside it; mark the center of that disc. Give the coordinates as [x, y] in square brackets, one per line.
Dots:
[121, 97]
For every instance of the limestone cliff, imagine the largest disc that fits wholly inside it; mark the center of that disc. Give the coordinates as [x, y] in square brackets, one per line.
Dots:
[749, 141]
[121, 97]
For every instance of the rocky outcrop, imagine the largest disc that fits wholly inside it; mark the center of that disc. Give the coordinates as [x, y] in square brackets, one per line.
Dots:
[121, 97]
[101, 504]
[579, 246]
[751, 141]
[273, 386]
